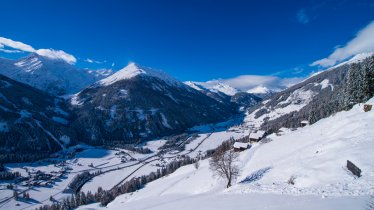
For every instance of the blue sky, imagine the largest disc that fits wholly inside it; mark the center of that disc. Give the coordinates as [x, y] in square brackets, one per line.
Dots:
[190, 39]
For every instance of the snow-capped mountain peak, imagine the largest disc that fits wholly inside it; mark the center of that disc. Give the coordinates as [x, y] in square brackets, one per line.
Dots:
[30, 63]
[213, 86]
[132, 70]
[259, 90]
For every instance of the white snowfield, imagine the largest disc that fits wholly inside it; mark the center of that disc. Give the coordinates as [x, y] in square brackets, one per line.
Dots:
[314, 156]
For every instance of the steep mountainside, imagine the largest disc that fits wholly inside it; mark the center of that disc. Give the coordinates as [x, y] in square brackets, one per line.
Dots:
[225, 93]
[56, 77]
[138, 103]
[32, 123]
[319, 96]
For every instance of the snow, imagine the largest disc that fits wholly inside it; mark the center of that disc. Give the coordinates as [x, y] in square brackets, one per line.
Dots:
[259, 90]
[315, 156]
[132, 70]
[257, 135]
[324, 84]
[165, 121]
[213, 86]
[60, 120]
[65, 139]
[355, 59]
[296, 101]
[239, 145]
[75, 100]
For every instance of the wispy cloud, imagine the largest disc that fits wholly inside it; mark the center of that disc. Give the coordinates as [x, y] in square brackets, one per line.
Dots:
[15, 45]
[362, 43]
[89, 60]
[246, 82]
[18, 47]
[302, 16]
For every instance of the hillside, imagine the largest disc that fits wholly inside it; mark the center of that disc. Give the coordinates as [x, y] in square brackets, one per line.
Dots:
[319, 96]
[138, 103]
[315, 155]
[33, 124]
[57, 77]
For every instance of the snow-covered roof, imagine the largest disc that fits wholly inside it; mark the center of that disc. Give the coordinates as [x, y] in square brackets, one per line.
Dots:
[240, 145]
[305, 122]
[257, 135]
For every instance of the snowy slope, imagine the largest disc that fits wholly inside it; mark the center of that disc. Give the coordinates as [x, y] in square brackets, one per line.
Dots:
[315, 155]
[316, 97]
[355, 59]
[56, 77]
[213, 86]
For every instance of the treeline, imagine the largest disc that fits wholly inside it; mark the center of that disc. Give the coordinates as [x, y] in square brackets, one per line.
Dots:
[80, 179]
[19, 158]
[6, 175]
[106, 196]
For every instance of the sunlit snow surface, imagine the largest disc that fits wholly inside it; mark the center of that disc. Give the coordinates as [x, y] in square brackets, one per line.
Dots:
[315, 155]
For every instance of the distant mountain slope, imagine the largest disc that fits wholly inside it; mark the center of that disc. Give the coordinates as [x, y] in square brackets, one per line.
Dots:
[32, 123]
[225, 93]
[261, 91]
[138, 103]
[319, 96]
[56, 77]
[213, 86]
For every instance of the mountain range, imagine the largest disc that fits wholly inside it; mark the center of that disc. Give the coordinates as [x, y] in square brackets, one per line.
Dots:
[137, 103]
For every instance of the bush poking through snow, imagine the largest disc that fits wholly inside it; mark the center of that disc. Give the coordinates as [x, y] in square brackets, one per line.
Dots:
[291, 180]
[196, 165]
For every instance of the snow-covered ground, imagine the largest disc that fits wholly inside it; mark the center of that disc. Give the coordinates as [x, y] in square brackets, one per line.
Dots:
[315, 156]
[120, 163]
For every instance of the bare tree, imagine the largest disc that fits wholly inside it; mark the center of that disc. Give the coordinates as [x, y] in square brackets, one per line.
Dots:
[224, 164]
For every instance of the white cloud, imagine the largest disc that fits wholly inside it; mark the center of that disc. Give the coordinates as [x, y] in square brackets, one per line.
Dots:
[362, 43]
[88, 60]
[246, 82]
[57, 54]
[302, 17]
[17, 47]
[10, 51]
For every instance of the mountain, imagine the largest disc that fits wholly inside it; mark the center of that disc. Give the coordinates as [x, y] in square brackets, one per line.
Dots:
[225, 93]
[323, 94]
[138, 103]
[54, 76]
[32, 123]
[213, 86]
[261, 91]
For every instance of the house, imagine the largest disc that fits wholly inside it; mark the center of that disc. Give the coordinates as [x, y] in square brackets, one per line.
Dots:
[240, 146]
[304, 123]
[257, 136]
[367, 107]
